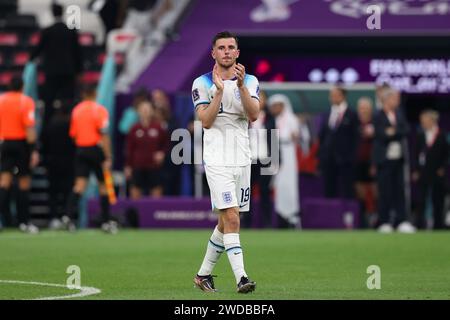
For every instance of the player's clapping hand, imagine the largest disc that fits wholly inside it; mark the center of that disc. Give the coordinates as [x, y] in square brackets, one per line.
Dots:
[217, 79]
[239, 70]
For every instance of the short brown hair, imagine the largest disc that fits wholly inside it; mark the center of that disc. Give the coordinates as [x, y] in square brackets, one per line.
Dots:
[224, 35]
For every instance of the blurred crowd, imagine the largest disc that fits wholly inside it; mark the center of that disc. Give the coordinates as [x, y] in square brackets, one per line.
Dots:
[361, 154]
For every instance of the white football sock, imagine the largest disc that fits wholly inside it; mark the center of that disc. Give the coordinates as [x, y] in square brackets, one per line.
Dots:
[213, 251]
[235, 255]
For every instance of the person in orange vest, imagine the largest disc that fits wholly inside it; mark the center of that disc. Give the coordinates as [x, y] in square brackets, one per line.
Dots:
[89, 128]
[18, 149]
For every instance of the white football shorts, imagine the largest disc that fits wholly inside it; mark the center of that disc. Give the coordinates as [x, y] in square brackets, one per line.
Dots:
[229, 187]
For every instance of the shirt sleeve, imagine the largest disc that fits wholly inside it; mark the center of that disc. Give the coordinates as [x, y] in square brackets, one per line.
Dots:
[252, 85]
[200, 92]
[28, 117]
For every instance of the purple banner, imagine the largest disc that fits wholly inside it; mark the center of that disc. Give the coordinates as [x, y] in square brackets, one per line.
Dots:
[179, 212]
[411, 75]
[164, 213]
[326, 16]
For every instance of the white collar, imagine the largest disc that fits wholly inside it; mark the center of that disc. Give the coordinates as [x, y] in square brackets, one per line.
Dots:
[340, 107]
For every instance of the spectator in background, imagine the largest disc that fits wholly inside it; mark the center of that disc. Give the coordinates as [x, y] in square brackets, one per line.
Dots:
[58, 155]
[389, 147]
[338, 138]
[144, 15]
[163, 113]
[260, 145]
[431, 162]
[365, 186]
[18, 149]
[61, 57]
[378, 91]
[287, 203]
[308, 146]
[111, 13]
[146, 150]
[130, 115]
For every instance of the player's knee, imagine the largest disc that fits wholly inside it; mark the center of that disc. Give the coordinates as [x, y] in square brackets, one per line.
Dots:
[231, 219]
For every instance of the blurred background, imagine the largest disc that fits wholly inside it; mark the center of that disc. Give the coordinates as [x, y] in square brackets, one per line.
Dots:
[308, 55]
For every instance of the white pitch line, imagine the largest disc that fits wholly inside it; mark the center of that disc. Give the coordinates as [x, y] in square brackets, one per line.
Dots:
[84, 291]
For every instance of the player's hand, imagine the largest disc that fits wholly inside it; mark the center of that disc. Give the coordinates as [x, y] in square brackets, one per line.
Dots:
[239, 70]
[107, 164]
[34, 159]
[217, 79]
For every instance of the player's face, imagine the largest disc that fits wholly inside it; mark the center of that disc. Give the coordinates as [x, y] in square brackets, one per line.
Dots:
[225, 52]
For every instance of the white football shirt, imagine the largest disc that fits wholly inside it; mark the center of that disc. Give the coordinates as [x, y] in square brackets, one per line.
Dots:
[226, 143]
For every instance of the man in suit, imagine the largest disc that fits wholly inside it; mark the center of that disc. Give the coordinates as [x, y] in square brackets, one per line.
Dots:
[61, 62]
[260, 145]
[389, 152]
[338, 138]
[431, 161]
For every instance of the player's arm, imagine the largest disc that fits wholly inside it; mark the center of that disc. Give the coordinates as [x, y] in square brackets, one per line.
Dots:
[207, 113]
[105, 139]
[106, 145]
[251, 105]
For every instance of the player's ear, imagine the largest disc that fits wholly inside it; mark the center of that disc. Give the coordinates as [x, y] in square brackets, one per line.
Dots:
[238, 52]
[213, 54]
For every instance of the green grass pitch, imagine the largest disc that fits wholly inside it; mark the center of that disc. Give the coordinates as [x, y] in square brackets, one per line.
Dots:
[160, 264]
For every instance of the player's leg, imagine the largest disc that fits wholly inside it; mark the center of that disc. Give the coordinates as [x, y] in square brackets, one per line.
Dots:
[79, 186]
[215, 246]
[231, 236]
[6, 169]
[233, 248]
[5, 185]
[214, 249]
[108, 225]
[23, 203]
[24, 186]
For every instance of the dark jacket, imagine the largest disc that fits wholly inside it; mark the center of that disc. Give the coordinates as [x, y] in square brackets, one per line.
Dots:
[59, 50]
[382, 140]
[428, 160]
[339, 145]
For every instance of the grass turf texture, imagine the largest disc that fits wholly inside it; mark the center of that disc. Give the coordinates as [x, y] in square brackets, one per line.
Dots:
[285, 264]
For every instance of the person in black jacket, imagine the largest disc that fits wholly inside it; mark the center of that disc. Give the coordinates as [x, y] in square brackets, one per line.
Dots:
[389, 150]
[58, 155]
[260, 146]
[431, 159]
[338, 138]
[61, 60]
